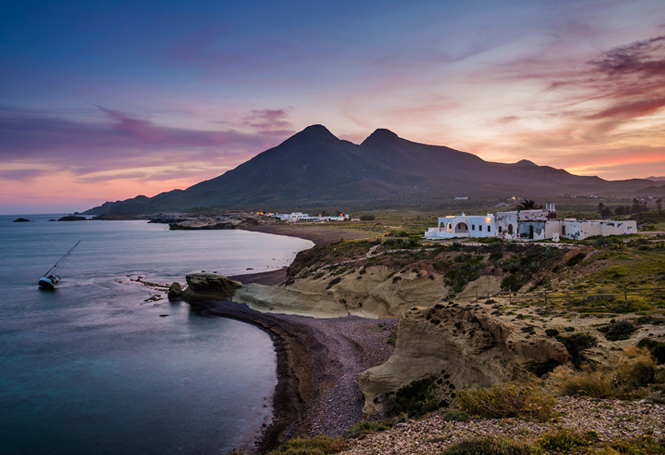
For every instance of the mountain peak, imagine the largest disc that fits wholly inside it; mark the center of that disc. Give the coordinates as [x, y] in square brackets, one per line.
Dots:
[381, 135]
[526, 163]
[317, 131]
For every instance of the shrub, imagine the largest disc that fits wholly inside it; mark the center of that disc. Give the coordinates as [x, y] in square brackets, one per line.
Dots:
[456, 416]
[334, 281]
[657, 348]
[417, 398]
[492, 445]
[620, 330]
[320, 445]
[595, 384]
[367, 217]
[367, 427]
[563, 441]
[512, 283]
[507, 400]
[552, 332]
[636, 372]
[577, 343]
[579, 257]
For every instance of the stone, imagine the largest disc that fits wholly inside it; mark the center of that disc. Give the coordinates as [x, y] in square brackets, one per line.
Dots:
[175, 291]
[208, 286]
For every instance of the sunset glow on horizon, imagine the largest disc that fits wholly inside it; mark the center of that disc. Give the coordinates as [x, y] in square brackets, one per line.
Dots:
[104, 100]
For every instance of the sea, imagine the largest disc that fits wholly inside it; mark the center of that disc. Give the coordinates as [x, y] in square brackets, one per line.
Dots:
[100, 366]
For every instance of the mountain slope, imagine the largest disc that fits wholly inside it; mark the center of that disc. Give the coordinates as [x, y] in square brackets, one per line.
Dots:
[314, 166]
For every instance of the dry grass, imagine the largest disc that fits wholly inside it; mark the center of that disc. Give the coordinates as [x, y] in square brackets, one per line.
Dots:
[526, 401]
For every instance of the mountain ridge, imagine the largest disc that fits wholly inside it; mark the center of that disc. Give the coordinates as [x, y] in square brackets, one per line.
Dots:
[315, 167]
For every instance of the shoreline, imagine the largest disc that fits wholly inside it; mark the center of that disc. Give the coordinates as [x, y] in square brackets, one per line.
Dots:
[318, 362]
[318, 235]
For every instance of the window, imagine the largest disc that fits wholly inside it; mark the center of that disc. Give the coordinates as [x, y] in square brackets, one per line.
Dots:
[489, 229]
[510, 229]
[563, 230]
[500, 229]
[473, 227]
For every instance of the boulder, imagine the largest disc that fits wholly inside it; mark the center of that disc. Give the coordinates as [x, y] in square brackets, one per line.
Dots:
[208, 286]
[175, 291]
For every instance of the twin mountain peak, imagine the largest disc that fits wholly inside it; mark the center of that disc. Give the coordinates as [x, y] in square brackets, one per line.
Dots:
[315, 169]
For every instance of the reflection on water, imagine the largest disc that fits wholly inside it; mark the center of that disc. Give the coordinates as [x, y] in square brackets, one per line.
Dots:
[92, 368]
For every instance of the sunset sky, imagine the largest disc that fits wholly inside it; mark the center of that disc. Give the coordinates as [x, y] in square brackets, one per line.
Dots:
[107, 100]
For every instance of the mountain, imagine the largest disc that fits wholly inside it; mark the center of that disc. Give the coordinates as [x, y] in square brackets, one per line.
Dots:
[315, 168]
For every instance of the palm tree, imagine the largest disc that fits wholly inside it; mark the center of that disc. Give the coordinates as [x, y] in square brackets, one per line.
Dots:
[529, 204]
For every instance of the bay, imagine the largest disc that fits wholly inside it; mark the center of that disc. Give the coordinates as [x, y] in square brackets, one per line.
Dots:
[95, 368]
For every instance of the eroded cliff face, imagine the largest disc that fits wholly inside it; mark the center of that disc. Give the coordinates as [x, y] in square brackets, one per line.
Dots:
[372, 292]
[466, 347]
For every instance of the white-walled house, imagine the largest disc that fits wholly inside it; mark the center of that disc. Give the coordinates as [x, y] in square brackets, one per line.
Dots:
[527, 225]
[463, 226]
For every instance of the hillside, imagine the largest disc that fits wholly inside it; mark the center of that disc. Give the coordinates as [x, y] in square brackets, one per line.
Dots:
[314, 168]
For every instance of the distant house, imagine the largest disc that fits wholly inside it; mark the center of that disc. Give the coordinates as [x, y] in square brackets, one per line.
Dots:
[527, 225]
[295, 217]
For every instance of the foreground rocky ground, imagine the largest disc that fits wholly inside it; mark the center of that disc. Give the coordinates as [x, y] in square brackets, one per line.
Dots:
[600, 420]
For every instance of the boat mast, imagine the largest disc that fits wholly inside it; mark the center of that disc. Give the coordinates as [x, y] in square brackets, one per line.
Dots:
[62, 259]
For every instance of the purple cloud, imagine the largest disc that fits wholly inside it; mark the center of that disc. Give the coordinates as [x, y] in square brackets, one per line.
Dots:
[270, 121]
[119, 140]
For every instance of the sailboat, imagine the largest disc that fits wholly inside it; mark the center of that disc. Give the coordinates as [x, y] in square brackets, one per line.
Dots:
[50, 278]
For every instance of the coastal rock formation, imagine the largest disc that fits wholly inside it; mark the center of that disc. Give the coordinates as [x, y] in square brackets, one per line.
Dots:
[208, 286]
[374, 292]
[470, 345]
[72, 218]
[21, 220]
[175, 291]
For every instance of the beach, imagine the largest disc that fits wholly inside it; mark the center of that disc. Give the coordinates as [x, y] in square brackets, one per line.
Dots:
[318, 365]
[318, 359]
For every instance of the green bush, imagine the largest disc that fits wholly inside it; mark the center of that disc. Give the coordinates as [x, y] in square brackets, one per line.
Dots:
[512, 283]
[579, 257]
[636, 373]
[334, 281]
[456, 416]
[320, 445]
[577, 343]
[417, 398]
[620, 330]
[367, 427]
[565, 441]
[507, 400]
[492, 445]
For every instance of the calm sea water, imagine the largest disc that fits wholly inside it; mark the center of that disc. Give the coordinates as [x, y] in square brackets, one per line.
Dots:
[92, 368]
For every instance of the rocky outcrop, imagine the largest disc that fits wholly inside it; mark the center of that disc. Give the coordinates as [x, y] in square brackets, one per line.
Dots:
[175, 291]
[21, 220]
[374, 292]
[72, 218]
[468, 346]
[207, 286]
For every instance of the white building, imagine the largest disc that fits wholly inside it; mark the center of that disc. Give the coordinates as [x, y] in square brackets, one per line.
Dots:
[527, 225]
[295, 217]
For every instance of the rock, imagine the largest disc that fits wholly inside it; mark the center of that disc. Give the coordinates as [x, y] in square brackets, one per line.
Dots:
[175, 291]
[473, 349]
[21, 220]
[207, 286]
[72, 218]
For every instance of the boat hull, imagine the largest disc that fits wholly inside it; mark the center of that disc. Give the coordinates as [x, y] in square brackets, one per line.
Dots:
[47, 283]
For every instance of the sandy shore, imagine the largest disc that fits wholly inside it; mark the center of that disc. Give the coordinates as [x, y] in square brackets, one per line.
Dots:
[318, 234]
[318, 365]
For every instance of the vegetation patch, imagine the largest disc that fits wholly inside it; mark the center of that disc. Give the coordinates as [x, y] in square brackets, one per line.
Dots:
[492, 445]
[421, 396]
[565, 441]
[456, 416]
[525, 401]
[320, 445]
[620, 330]
[576, 344]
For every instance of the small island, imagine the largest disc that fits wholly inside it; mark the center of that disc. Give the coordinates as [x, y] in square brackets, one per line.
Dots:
[21, 220]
